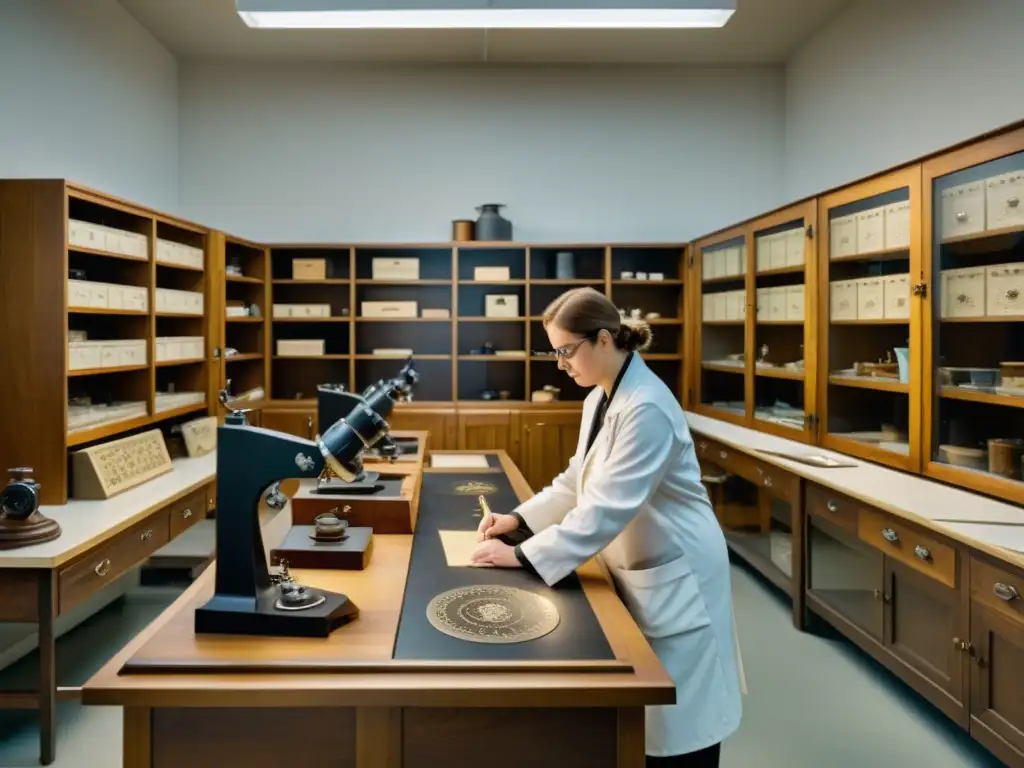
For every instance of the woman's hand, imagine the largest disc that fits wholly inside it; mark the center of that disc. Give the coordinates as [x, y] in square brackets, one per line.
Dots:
[496, 554]
[495, 525]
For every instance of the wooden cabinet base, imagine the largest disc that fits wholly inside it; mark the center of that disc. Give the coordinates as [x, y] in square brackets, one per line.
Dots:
[587, 737]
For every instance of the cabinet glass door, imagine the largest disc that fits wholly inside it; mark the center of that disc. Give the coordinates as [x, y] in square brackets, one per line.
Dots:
[783, 384]
[845, 575]
[869, 266]
[975, 432]
[722, 339]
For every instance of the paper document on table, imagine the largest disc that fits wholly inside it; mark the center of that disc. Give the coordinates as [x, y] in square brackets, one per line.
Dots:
[459, 461]
[459, 547]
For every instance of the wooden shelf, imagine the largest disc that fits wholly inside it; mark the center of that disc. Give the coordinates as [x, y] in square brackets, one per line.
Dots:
[104, 431]
[884, 321]
[313, 357]
[183, 315]
[113, 312]
[795, 270]
[984, 242]
[414, 356]
[974, 396]
[370, 281]
[985, 319]
[888, 254]
[244, 279]
[726, 323]
[173, 363]
[181, 267]
[779, 373]
[491, 283]
[327, 281]
[99, 371]
[867, 382]
[464, 319]
[666, 281]
[106, 254]
[574, 282]
[402, 320]
[722, 368]
[491, 359]
[311, 320]
[244, 319]
[781, 323]
[242, 357]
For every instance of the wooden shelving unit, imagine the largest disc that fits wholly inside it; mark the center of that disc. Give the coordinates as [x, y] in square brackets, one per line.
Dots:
[460, 357]
[106, 331]
[869, 273]
[973, 244]
[242, 351]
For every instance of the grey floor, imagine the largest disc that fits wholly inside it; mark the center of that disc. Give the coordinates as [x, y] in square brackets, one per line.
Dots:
[813, 699]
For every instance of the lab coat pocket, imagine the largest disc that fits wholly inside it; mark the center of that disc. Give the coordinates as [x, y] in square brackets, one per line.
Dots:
[664, 600]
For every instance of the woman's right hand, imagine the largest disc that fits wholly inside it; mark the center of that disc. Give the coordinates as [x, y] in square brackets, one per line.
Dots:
[495, 525]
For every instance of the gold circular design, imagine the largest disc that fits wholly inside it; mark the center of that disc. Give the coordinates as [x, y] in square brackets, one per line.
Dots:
[475, 488]
[489, 613]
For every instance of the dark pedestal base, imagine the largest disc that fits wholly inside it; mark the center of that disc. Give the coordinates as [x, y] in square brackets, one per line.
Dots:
[228, 616]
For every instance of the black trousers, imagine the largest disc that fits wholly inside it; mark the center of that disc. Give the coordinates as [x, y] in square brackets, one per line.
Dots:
[705, 758]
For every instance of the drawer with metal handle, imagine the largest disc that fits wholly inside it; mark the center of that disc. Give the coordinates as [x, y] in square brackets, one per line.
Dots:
[839, 509]
[907, 544]
[999, 589]
[777, 482]
[188, 511]
[105, 564]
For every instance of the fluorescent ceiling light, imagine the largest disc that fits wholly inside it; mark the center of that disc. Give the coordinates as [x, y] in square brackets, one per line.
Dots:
[479, 14]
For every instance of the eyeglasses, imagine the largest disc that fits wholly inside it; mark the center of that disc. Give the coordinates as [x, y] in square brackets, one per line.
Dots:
[569, 350]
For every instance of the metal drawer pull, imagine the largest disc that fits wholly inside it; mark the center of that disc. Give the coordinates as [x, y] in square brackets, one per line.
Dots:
[890, 535]
[186, 514]
[1013, 202]
[922, 553]
[146, 535]
[961, 216]
[703, 446]
[1006, 592]
[767, 481]
[103, 568]
[833, 507]
[722, 454]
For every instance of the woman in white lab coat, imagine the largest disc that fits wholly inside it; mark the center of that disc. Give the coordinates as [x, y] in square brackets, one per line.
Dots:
[632, 492]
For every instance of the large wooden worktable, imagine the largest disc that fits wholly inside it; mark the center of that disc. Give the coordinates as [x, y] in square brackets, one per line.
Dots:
[211, 707]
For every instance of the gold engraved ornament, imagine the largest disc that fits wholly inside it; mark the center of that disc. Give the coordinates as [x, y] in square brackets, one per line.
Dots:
[475, 488]
[490, 613]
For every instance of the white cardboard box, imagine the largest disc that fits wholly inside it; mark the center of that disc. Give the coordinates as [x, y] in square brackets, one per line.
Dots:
[870, 299]
[897, 297]
[1004, 200]
[963, 292]
[962, 210]
[843, 300]
[395, 269]
[501, 305]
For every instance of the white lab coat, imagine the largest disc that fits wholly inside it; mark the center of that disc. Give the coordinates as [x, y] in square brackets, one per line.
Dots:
[636, 497]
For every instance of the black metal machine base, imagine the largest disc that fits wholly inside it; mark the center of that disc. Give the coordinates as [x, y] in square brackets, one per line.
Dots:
[368, 482]
[227, 616]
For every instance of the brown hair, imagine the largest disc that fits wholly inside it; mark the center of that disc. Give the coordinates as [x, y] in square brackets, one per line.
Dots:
[586, 312]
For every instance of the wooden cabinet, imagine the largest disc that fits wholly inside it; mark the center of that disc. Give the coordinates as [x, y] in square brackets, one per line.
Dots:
[489, 430]
[996, 653]
[549, 441]
[441, 424]
[301, 423]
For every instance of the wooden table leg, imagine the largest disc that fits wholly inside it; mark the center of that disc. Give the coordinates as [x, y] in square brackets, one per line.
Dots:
[631, 738]
[47, 668]
[799, 578]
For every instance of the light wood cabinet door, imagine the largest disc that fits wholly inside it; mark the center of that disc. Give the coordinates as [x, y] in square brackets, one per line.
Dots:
[301, 423]
[490, 430]
[549, 441]
[440, 424]
[926, 624]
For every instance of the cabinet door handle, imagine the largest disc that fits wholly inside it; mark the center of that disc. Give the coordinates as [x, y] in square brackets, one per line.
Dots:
[1006, 592]
[103, 568]
[146, 535]
[959, 644]
[309, 426]
[186, 514]
[767, 481]
[961, 216]
[833, 507]
[723, 455]
[922, 553]
[702, 446]
[890, 535]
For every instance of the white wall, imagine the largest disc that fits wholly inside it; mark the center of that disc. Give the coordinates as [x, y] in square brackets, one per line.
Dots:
[888, 81]
[318, 153]
[87, 94]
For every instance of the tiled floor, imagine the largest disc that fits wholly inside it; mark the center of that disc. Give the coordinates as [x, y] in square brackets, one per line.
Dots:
[814, 701]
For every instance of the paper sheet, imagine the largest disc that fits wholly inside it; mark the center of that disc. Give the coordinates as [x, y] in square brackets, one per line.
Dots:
[459, 461]
[459, 547]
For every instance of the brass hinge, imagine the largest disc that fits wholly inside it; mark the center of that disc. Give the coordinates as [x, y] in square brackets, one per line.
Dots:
[811, 420]
[920, 289]
[810, 231]
[691, 258]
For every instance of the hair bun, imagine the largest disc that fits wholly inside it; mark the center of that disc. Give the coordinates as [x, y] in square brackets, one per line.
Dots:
[634, 335]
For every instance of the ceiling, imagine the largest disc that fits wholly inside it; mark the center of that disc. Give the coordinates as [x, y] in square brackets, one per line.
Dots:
[760, 32]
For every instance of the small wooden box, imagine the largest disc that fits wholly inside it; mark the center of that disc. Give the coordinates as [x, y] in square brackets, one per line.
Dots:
[396, 269]
[309, 269]
[492, 274]
[501, 305]
[300, 347]
[300, 550]
[389, 308]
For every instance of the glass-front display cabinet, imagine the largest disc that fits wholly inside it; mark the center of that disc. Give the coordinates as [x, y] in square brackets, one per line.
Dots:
[869, 290]
[722, 341]
[784, 331]
[974, 334]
